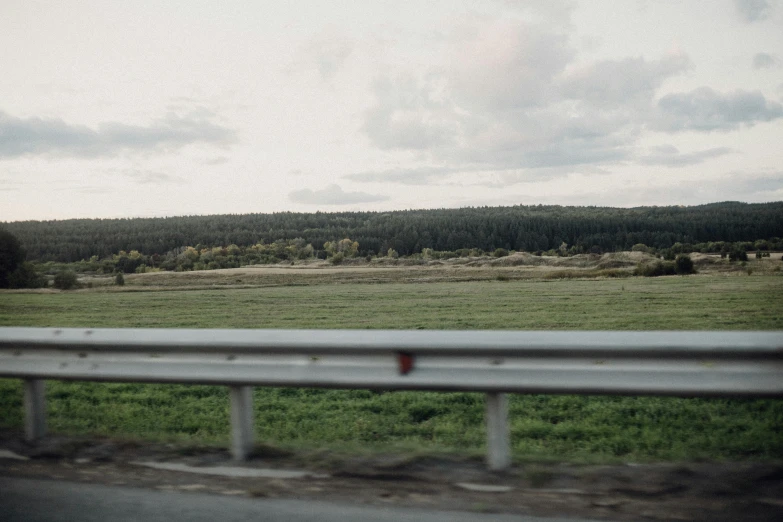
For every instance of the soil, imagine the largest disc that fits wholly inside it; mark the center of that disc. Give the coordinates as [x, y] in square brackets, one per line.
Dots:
[715, 491]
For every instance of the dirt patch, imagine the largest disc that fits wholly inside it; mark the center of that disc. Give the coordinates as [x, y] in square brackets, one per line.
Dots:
[685, 491]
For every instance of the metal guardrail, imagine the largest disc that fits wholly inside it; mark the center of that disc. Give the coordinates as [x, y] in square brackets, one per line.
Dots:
[688, 364]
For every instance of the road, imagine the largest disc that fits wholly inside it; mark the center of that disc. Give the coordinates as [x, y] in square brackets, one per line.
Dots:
[35, 500]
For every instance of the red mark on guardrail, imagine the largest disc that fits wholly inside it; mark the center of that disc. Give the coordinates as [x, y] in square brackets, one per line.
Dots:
[405, 361]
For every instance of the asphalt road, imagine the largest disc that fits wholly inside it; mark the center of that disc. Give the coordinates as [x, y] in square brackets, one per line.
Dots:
[55, 501]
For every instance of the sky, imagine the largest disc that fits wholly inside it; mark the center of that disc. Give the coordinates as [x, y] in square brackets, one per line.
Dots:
[163, 108]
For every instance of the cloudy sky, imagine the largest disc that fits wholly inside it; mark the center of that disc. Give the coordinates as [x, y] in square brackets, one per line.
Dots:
[160, 108]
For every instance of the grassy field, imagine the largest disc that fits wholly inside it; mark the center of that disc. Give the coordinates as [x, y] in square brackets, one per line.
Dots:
[670, 303]
[560, 427]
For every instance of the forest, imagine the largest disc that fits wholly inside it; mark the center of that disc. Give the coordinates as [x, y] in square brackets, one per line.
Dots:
[288, 235]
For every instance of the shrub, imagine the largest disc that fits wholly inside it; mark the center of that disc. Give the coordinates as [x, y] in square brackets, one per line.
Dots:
[337, 258]
[65, 280]
[25, 276]
[660, 268]
[119, 279]
[584, 274]
[500, 252]
[11, 256]
[683, 264]
[738, 254]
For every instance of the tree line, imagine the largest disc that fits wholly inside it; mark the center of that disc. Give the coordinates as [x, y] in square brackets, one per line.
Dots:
[286, 235]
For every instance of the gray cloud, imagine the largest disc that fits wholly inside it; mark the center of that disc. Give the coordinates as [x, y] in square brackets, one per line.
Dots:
[219, 160]
[744, 186]
[86, 189]
[9, 184]
[327, 53]
[506, 66]
[670, 156]
[408, 116]
[630, 80]
[704, 109]
[333, 195]
[753, 10]
[145, 177]
[405, 176]
[331, 55]
[492, 176]
[74, 185]
[39, 136]
[507, 104]
[765, 61]
[740, 185]
[771, 183]
[551, 11]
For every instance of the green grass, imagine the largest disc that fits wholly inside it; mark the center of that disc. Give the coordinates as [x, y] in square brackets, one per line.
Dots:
[543, 427]
[691, 303]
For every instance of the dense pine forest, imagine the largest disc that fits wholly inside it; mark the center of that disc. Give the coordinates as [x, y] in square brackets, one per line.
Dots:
[529, 228]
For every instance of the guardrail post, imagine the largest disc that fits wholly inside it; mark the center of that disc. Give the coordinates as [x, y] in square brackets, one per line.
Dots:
[498, 445]
[34, 409]
[241, 421]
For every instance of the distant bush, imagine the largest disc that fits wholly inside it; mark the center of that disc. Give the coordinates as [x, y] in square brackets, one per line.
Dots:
[119, 279]
[683, 264]
[65, 280]
[738, 254]
[500, 252]
[11, 257]
[659, 268]
[586, 274]
[337, 259]
[25, 276]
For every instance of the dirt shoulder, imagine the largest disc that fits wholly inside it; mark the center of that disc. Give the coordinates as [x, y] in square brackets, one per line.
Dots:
[693, 491]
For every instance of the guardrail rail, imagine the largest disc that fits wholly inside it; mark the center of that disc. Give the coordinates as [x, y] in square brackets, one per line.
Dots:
[685, 364]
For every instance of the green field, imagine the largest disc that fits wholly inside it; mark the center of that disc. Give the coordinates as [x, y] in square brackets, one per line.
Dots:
[559, 427]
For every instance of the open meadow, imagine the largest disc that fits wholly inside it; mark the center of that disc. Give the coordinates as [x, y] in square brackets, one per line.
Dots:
[542, 427]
